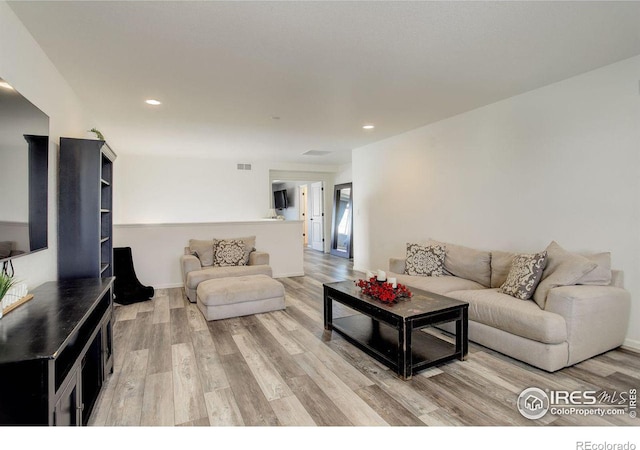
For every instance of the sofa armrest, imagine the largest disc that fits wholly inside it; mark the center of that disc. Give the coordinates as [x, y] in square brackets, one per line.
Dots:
[189, 263]
[397, 265]
[597, 318]
[617, 278]
[257, 258]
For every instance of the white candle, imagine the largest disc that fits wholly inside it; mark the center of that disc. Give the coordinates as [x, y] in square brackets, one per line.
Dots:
[382, 276]
[393, 281]
[369, 275]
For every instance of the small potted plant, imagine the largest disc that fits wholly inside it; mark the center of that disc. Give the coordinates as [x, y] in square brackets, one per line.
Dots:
[97, 133]
[6, 283]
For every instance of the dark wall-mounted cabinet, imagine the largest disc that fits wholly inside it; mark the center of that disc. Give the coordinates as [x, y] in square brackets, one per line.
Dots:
[85, 215]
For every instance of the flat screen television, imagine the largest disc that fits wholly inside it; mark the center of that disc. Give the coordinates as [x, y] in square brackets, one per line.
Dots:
[280, 200]
[24, 175]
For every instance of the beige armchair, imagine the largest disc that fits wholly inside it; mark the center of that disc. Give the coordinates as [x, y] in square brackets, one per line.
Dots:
[193, 273]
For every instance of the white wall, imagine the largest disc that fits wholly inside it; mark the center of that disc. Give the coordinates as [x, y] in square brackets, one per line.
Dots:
[160, 202]
[156, 248]
[344, 174]
[557, 163]
[24, 65]
[164, 189]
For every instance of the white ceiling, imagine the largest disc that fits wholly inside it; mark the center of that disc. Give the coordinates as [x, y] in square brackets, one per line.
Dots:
[223, 70]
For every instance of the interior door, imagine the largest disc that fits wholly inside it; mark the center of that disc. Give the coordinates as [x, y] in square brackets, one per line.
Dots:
[317, 216]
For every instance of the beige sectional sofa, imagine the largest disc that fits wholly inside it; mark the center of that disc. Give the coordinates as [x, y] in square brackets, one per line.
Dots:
[578, 310]
[197, 266]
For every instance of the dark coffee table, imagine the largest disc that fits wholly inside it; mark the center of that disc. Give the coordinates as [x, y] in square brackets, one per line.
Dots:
[391, 333]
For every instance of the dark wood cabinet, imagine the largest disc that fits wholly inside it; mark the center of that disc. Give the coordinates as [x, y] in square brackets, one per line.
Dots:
[69, 405]
[85, 216]
[56, 353]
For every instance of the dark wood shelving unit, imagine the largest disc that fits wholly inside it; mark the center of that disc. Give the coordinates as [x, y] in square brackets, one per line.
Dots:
[85, 219]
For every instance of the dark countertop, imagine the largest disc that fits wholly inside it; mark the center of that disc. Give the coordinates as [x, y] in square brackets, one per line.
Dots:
[39, 328]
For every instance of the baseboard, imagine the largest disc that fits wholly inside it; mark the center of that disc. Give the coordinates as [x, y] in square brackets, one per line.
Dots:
[632, 345]
[361, 269]
[288, 275]
[167, 286]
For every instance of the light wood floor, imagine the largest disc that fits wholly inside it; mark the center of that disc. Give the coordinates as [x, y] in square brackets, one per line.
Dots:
[281, 368]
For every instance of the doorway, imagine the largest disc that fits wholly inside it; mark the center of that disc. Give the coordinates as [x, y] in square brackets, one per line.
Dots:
[305, 202]
[316, 216]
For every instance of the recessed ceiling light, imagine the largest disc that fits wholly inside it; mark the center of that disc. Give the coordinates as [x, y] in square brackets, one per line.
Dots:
[368, 127]
[153, 102]
[4, 84]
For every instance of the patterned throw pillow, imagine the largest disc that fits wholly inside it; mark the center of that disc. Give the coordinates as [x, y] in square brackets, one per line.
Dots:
[524, 276]
[425, 260]
[229, 252]
[249, 246]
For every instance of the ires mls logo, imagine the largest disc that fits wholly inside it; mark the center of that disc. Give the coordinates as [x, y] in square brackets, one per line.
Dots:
[533, 403]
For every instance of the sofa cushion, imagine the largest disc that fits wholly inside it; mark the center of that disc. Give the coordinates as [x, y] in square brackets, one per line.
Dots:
[198, 276]
[203, 249]
[601, 275]
[425, 260]
[257, 258]
[225, 291]
[465, 262]
[524, 275]
[495, 309]
[500, 267]
[229, 252]
[563, 269]
[397, 265]
[440, 285]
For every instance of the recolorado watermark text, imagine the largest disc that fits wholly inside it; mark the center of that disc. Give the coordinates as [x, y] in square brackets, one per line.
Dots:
[588, 445]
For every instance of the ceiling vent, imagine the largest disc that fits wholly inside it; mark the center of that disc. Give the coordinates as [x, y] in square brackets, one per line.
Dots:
[316, 153]
[244, 166]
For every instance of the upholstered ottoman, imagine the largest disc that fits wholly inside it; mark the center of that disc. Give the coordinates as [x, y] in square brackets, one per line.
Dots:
[222, 298]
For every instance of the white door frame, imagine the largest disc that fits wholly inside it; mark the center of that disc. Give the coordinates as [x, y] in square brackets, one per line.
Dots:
[303, 213]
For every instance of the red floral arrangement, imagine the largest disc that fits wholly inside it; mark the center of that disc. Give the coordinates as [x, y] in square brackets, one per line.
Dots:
[383, 291]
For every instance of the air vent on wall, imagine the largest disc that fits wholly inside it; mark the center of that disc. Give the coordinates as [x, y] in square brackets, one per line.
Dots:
[244, 166]
[316, 153]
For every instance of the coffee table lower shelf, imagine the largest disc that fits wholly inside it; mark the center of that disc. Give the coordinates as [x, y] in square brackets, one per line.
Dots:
[380, 341]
